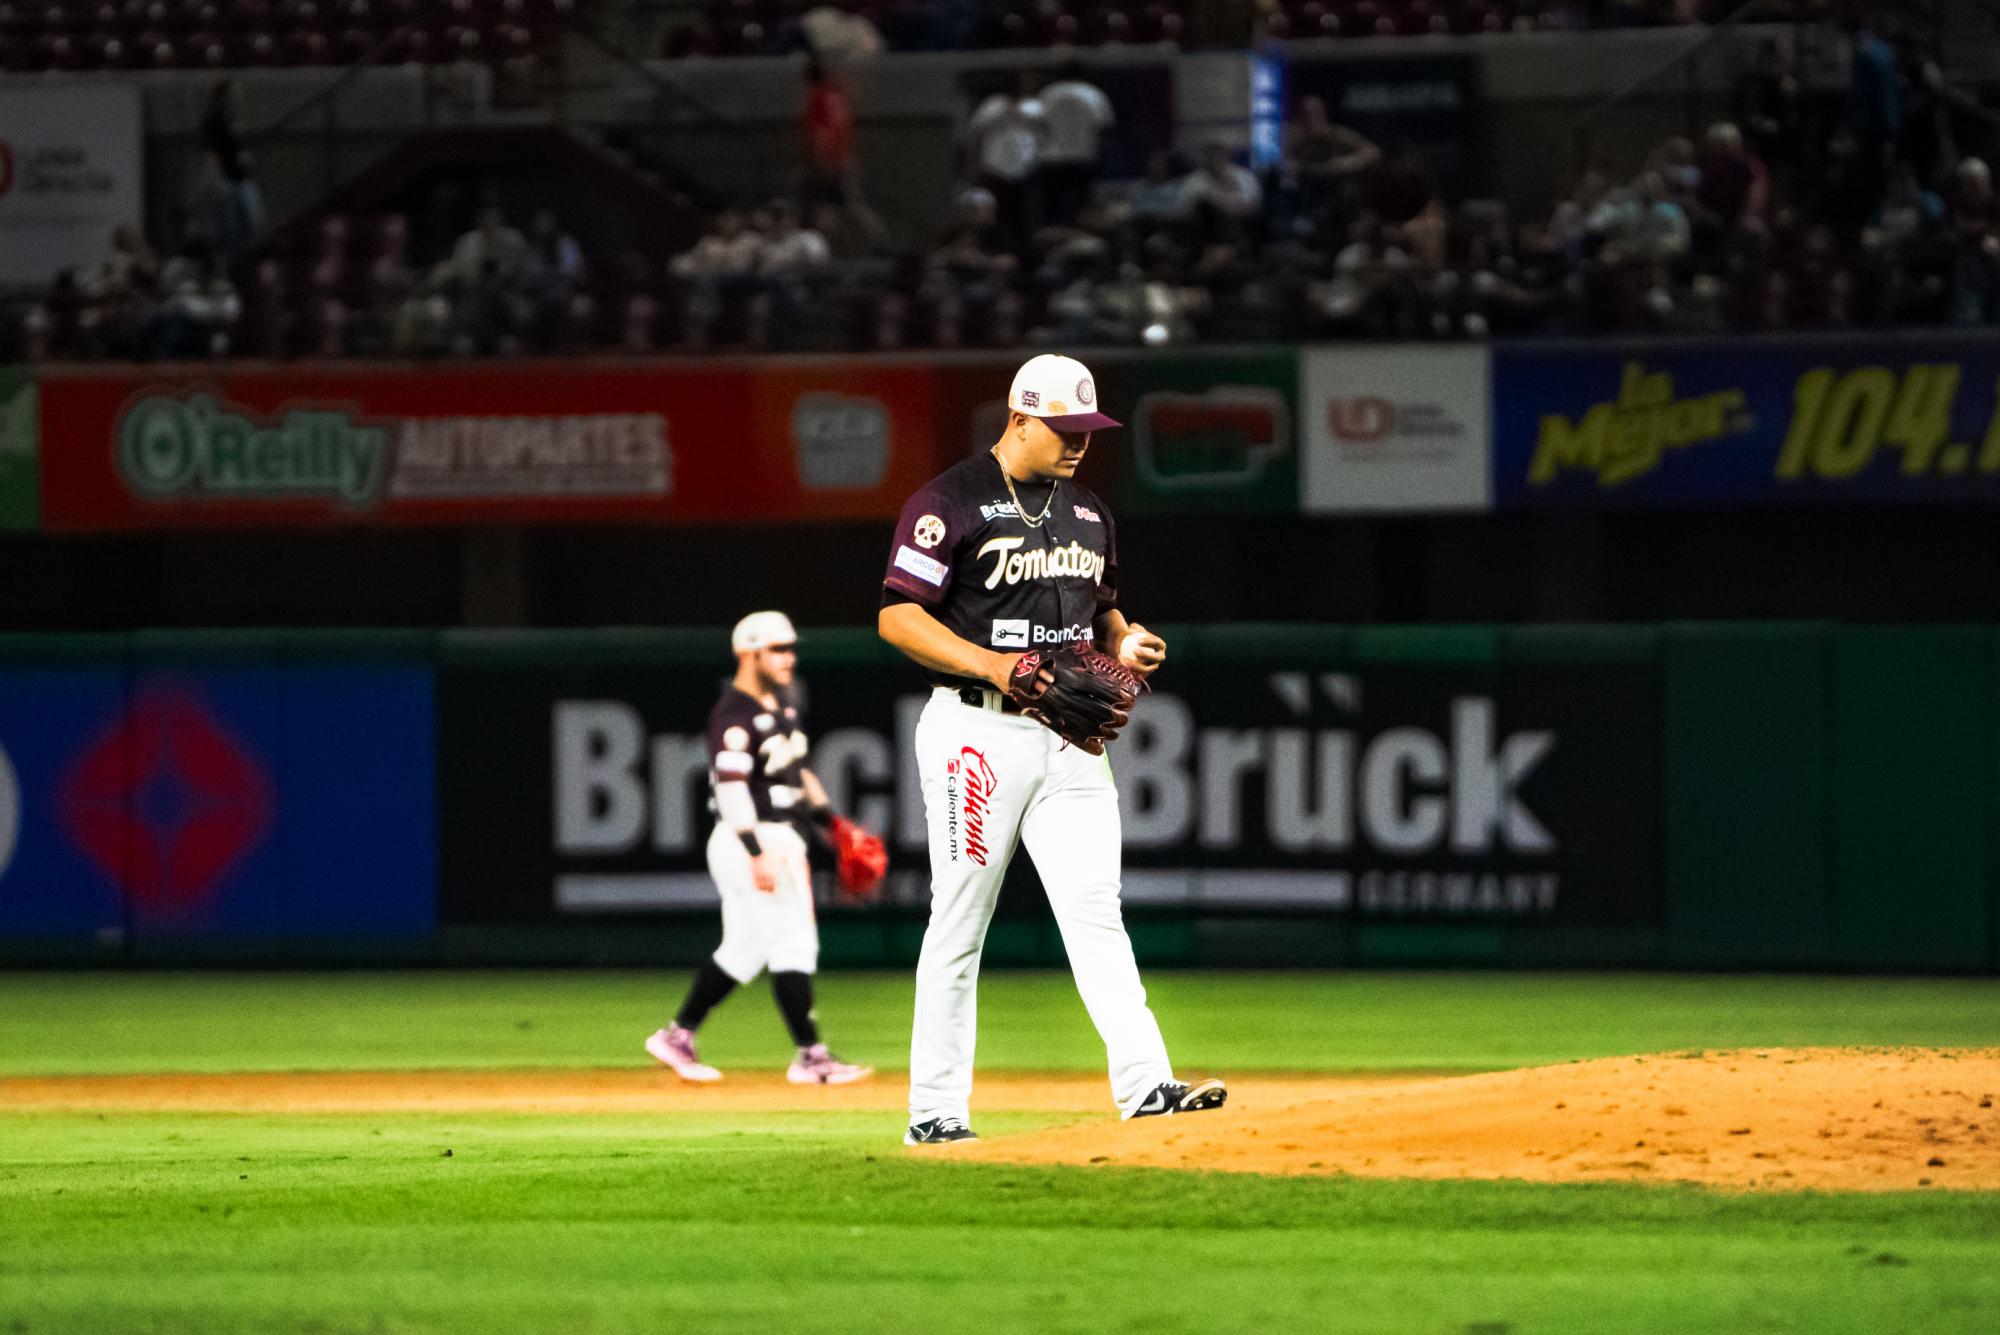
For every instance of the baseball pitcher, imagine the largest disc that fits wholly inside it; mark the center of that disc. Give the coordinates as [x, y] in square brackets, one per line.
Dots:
[1002, 584]
[763, 791]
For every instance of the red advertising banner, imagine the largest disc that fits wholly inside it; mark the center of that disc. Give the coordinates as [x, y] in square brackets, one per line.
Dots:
[135, 447]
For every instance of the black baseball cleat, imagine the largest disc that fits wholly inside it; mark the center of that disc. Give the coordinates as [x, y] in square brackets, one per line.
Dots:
[938, 1131]
[1174, 1097]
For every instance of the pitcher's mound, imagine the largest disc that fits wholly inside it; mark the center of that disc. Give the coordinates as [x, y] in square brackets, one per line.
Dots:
[1777, 1119]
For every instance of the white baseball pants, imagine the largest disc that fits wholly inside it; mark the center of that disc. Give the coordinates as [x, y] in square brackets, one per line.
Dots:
[990, 781]
[760, 930]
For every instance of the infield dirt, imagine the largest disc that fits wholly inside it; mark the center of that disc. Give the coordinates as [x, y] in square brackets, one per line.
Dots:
[1774, 1119]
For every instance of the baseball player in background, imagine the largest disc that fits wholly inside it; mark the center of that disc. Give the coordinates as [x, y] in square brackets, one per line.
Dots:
[763, 791]
[1002, 567]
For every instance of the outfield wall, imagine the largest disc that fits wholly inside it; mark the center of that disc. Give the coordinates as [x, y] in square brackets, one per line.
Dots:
[1795, 795]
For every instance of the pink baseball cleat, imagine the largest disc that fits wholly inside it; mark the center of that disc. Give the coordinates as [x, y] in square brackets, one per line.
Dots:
[675, 1046]
[816, 1066]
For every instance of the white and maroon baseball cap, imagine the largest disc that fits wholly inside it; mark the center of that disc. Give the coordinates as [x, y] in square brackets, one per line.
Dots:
[1060, 391]
[761, 630]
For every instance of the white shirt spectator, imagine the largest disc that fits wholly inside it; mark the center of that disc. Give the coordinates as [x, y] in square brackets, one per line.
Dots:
[1007, 135]
[1078, 113]
[1234, 192]
[796, 251]
[497, 248]
[725, 253]
[837, 36]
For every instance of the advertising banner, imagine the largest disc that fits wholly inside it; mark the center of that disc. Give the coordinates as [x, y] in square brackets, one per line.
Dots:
[1272, 778]
[138, 447]
[1205, 432]
[580, 786]
[246, 802]
[50, 888]
[70, 173]
[1847, 420]
[19, 437]
[1396, 428]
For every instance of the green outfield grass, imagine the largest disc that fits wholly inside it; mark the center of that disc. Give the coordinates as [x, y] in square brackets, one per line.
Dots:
[113, 1022]
[814, 1222]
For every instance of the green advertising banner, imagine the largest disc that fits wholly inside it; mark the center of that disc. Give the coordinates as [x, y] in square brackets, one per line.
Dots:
[1205, 433]
[18, 437]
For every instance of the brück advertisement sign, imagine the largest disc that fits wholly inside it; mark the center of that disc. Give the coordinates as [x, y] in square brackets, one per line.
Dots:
[1529, 792]
[1394, 429]
[70, 173]
[583, 789]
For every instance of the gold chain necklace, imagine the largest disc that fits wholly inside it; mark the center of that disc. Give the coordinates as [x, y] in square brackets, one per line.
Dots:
[1019, 509]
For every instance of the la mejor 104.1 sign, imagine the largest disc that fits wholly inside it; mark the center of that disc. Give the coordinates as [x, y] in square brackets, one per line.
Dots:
[1846, 421]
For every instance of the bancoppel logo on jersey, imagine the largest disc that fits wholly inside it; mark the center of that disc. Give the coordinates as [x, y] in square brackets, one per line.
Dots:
[1011, 565]
[1011, 633]
[1063, 634]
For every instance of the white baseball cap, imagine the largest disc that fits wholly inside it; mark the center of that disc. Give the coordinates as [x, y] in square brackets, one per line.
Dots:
[761, 630]
[1060, 391]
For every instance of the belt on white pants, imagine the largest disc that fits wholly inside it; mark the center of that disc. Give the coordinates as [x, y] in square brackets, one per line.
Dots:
[977, 697]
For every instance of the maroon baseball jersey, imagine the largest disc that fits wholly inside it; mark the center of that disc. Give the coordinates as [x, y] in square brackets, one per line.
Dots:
[962, 551]
[764, 748]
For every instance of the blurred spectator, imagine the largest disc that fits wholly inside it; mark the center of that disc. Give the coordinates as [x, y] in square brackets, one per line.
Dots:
[1874, 105]
[1924, 138]
[1403, 190]
[1731, 193]
[1647, 226]
[1005, 140]
[234, 206]
[1222, 191]
[1975, 225]
[1077, 114]
[226, 214]
[1319, 156]
[1770, 107]
[730, 249]
[721, 271]
[219, 133]
[792, 249]
[1908, 258]
[129, 262]
[490, 251]
[1161, 195]
[839, 33]
[198, 307]
[833, 170]
[550, 281]
[1359, 296]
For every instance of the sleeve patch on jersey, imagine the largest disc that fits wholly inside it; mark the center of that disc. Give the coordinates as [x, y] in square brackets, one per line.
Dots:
[923, 567]
[735, 738]
[929, 532]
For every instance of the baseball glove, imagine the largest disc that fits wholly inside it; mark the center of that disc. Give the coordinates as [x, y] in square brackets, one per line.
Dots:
[860, 857]
[1087, 702]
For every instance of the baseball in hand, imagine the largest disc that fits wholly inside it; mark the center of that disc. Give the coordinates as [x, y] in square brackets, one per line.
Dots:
[1141, 650]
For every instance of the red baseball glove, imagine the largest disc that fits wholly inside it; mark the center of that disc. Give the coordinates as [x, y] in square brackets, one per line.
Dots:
[861, 858]
[1088, 696]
